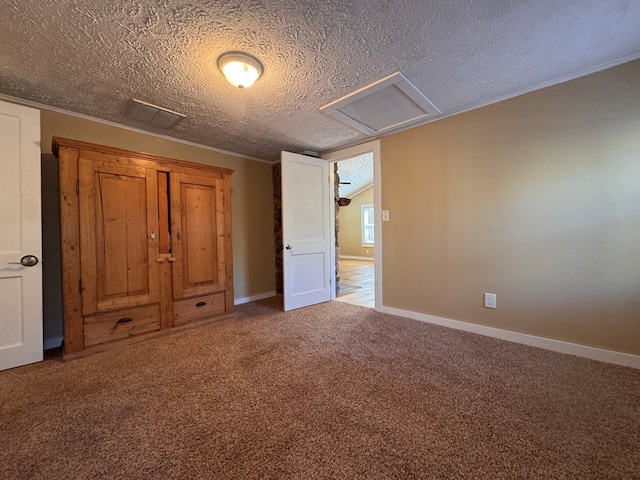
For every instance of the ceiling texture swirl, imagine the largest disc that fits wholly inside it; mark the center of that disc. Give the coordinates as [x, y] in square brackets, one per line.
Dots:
[92, 57]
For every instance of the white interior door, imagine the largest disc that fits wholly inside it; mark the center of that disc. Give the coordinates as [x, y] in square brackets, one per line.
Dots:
[306, 230]
[20, 237]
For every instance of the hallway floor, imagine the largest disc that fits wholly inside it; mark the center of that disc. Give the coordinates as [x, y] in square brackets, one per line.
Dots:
[356, 282]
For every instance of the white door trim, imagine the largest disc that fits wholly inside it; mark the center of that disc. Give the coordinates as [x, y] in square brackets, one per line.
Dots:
[374, 148]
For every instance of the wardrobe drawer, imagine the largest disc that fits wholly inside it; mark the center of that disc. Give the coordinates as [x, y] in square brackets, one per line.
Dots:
[198, 308]
[121, 324]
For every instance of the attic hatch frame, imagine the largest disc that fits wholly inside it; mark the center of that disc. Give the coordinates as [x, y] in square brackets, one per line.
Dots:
[152, 114]
[412, 96]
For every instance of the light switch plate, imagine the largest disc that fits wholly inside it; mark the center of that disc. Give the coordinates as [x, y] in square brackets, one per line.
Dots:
[385, 215]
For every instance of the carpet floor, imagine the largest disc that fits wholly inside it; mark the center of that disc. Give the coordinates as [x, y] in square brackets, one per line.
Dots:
[333, 391]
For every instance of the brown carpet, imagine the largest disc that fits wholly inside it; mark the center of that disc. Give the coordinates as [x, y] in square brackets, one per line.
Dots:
[331, 391]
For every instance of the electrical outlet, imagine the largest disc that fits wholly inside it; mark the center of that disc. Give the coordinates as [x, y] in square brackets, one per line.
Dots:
[490, 300]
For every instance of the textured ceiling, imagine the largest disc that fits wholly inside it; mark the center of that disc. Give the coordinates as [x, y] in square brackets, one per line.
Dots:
[93, 56]
[358, 171]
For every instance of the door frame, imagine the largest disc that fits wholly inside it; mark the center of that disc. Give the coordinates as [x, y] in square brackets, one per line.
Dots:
[344, 154]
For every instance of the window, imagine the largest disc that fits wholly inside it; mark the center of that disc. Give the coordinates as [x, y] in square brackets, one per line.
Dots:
[367, 225]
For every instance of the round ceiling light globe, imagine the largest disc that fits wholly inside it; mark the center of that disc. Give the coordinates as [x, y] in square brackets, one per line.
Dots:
[240, 69]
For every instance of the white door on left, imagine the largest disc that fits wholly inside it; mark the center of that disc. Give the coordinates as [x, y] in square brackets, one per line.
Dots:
[20, 237]
[306, 230]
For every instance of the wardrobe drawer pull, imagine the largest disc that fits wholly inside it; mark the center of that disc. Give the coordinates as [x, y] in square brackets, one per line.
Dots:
[125, 320]
[198, 308]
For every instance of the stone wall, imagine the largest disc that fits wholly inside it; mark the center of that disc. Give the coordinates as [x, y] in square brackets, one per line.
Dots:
[277, 226]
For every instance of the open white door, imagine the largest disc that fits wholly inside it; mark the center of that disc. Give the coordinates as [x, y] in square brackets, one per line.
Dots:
[20, 240]
[306, 230]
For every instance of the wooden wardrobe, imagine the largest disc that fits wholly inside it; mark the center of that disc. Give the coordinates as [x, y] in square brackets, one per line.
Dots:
[146, 244]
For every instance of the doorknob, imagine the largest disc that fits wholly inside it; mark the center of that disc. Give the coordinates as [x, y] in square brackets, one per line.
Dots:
[288, 246]
[26, 261]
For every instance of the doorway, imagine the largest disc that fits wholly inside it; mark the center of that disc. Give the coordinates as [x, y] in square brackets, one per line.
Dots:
[360, 266]
[354, 230]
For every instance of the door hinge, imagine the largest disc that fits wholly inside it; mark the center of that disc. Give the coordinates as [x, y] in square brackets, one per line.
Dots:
[80, 286]
[77, 187]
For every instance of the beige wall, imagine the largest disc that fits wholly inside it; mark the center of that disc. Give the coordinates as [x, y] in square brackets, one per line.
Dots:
[536, 199]
[350, 233]
[251, 191]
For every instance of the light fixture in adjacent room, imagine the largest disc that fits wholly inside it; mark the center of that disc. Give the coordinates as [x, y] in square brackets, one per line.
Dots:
[239, 68]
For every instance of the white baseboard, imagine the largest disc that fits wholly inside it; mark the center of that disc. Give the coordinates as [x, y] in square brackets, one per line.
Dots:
[353, 257]
[608, 356]
[253, 298]
[50, 343]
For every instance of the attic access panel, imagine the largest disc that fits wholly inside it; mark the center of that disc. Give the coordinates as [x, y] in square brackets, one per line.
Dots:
[385, 106]
[152, 114]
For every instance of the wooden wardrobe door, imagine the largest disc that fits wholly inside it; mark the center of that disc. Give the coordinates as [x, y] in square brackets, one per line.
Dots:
[199, 234]
[118, 226]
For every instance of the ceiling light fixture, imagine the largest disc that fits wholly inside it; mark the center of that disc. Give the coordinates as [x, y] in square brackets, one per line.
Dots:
[239, 68]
